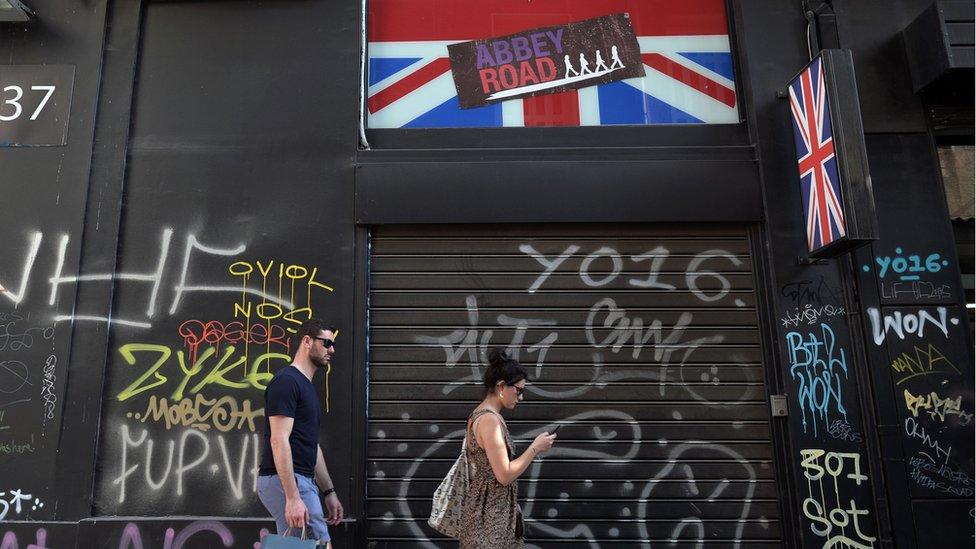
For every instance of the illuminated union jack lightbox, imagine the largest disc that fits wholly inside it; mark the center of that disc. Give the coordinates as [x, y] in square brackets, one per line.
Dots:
[838, 204]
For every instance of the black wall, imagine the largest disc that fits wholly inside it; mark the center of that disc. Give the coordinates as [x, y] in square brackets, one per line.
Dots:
[920, 349]
[218, 183]
[43, 214]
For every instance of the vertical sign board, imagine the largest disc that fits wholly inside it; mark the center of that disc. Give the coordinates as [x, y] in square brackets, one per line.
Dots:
[35, 101]
[838, 204]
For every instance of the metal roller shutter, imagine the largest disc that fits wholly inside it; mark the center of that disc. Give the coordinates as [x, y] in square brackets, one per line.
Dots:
[642, 341]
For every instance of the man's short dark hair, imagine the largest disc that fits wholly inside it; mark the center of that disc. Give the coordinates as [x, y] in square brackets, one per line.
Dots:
[311, 327]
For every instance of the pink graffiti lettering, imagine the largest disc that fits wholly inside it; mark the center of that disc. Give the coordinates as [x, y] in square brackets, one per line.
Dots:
[214, 332]
[10, 540]
[132, 537]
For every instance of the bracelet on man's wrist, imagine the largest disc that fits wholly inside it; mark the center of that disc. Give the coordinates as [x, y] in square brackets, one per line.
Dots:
[327, 492]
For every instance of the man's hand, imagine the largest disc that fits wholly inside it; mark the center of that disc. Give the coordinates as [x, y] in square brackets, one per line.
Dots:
[335, 509]
[296, 514]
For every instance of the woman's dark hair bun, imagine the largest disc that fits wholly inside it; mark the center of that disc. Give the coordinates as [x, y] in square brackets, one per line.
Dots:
[497, 357]
[502, 367]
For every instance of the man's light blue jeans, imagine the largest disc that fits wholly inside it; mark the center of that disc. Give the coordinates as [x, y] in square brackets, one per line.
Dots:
[273, 497]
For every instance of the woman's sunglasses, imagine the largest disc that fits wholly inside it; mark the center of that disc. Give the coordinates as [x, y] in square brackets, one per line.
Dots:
[518, 390]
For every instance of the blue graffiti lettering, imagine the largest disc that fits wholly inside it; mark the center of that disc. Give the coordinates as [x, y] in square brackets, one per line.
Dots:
[907, 267]
[817, 365]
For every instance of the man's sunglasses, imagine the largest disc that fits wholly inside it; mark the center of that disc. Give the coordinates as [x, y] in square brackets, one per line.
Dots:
[518, 390]
[326, 342]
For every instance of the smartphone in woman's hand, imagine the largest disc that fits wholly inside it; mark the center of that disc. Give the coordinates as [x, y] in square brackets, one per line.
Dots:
[556, 429]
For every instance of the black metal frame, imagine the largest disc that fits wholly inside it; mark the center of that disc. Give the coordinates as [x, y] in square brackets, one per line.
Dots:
[783, 448]
[360, 391]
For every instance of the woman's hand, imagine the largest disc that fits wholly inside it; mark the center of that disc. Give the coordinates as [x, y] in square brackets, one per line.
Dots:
[542, 443]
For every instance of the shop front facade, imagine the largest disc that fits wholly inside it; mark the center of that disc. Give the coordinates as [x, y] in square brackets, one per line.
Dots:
[185, 182]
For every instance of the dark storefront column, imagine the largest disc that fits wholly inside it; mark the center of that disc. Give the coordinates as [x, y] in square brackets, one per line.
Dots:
[920, 345]
[819, 362]
[912, 297]
[43, 221]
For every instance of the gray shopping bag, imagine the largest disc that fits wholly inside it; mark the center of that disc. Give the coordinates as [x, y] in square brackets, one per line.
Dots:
[273, 541]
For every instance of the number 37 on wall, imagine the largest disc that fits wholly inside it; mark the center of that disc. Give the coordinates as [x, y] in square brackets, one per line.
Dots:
[34, 104]
[14, 101]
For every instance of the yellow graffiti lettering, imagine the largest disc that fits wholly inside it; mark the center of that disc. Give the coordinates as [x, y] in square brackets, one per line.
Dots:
[823, 505]
[262, 310]
[194, 370]
[128, 352]
[926, 361]
[265, 271]
[191, 380]
[915, 403]
[258, 379]
[809, 463]
[815, 512]
[290, 315]
[217, 374]
[201, 413]
[296, 272]
[313, 282]
[239, 309]
[936, 406]
[236, 268]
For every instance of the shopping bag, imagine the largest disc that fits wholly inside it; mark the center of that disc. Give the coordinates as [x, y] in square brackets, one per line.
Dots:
[274, 541]
[445, 513]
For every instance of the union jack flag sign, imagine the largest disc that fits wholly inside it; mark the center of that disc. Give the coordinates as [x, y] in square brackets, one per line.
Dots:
[684, 47]
[816, 159]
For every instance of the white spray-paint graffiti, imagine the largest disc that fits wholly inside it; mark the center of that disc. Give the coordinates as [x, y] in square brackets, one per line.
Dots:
[629, 432]
[624, 327]
[22, 377]
[609, 329]
[154, 279]
[657, 256]
[471, 343]
[238, 459]
[468, 345]
[810, 315]
[908, 324]
[15, 337]
[12, 502]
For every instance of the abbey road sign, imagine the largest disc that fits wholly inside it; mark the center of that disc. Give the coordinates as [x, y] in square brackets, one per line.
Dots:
[545, 60]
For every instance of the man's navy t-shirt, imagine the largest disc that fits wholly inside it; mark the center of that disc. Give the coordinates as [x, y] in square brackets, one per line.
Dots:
[291, 394]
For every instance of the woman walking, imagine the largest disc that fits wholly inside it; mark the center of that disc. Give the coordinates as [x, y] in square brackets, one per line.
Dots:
[490, 512]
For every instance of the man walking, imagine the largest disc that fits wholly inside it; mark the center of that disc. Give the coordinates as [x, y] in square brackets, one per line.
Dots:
[292, 462]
